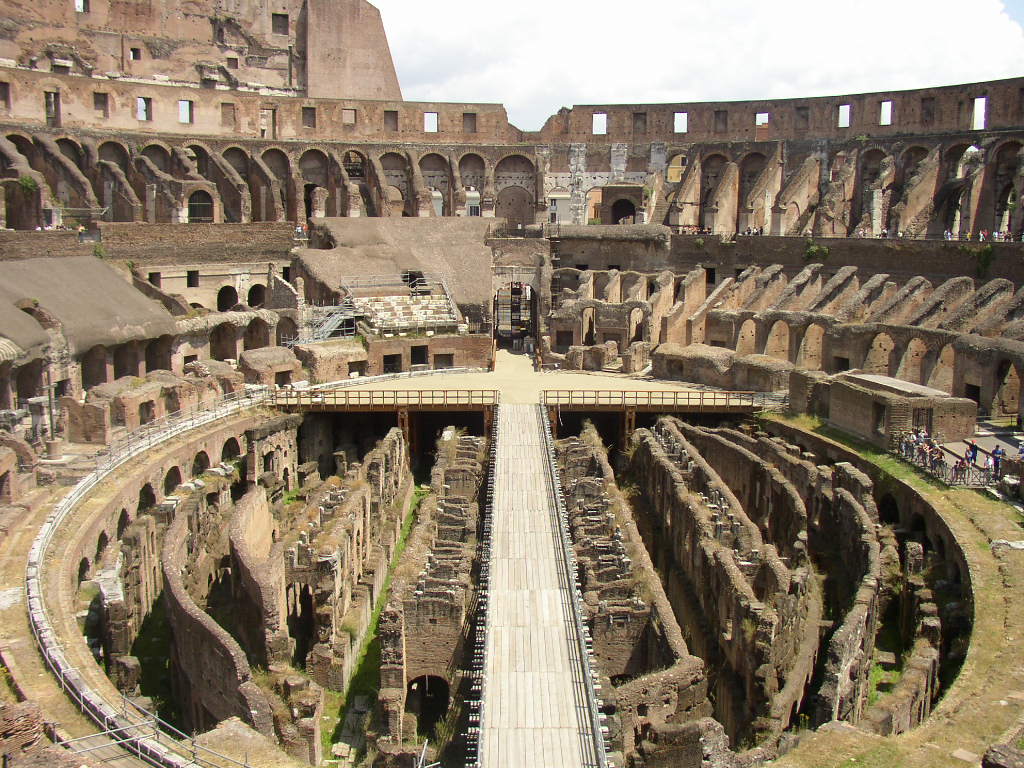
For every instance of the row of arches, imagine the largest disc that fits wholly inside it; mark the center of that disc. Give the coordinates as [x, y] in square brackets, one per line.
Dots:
[147, 499]
[272, 183]
[994, 384]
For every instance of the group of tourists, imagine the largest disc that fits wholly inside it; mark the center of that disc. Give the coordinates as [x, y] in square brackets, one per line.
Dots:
[983, 236]
[919, 448]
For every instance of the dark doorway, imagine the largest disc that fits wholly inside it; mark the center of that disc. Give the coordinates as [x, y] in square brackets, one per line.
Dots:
[428, 698]
[623, 212]
[200, 207]
[227, 297]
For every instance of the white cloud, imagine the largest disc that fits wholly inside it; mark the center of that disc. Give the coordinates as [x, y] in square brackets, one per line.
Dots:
[535, 57]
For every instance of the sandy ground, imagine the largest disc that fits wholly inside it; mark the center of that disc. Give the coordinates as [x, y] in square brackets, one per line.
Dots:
[518, 382]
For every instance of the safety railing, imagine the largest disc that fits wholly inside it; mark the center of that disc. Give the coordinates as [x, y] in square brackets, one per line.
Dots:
[944, 465]
[475, 731]
[160, 429]
[383, 399]
[155, 744]
[569, 576]
[668, 400]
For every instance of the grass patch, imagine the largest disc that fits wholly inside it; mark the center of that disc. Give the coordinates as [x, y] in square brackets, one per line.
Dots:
[366, 678]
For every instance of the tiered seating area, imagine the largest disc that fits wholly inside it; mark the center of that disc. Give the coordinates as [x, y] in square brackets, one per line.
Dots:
[400, 313]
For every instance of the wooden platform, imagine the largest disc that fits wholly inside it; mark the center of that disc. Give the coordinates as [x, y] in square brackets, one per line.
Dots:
[535, 712]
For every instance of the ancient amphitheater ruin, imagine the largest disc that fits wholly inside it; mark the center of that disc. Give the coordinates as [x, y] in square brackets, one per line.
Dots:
[337, 429]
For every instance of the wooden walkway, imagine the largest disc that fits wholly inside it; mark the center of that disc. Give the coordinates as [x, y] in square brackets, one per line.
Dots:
[535, 709]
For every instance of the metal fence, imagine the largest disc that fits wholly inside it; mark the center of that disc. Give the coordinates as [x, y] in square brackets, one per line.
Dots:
[149, 738]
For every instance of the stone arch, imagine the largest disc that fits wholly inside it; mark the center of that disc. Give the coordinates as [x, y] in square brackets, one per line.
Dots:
[227, 298]
[871, 166]
[751, 167]
[159, 155]
[354, 163]
[83, 569]
[200, 207]
[1006, 393]
[123, 521]
[257, 334]
[238, 159]
[94, 367]
[278, 163]
[912, 364]
[230, 450]
[257, 295]
[436, 175]
[1004, 173]
[958, 158]
[878, 359]
[72, 151]
[315, 172]
[223, 344]
[515, 169]
[941, 374]
[147, 500]
[200, 463]
[287, 330]
[889, 510]
[711, 172]
[102, 542]
[280, 166]
[515, 205]
[473, 171]
[746, 338]
[126, 361]
[171, 480]
[910, 159]
[313, 167]
[428, 698]
[158, 354]
[777, 342]
[396, 182]
[114, 152]
[623, 212]
[811, 350]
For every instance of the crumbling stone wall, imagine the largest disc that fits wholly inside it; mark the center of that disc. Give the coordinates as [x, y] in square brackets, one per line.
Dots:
[656, 684]
[340, 558]
[212, 678]
[760, 615]
[426, 625]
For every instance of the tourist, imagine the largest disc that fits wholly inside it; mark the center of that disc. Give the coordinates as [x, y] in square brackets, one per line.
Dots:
[972, 451]
[997, 460]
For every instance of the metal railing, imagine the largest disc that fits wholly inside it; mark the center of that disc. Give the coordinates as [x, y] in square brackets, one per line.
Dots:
[383, 399]
[569, 576]
[687, 400]
[138, 737]
[158, 430]
[946, 465]
[475, 732]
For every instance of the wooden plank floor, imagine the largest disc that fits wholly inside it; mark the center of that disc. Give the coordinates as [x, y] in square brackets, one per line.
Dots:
[534, 711]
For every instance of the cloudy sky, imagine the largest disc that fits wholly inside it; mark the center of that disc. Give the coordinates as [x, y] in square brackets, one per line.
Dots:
[535, 56]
